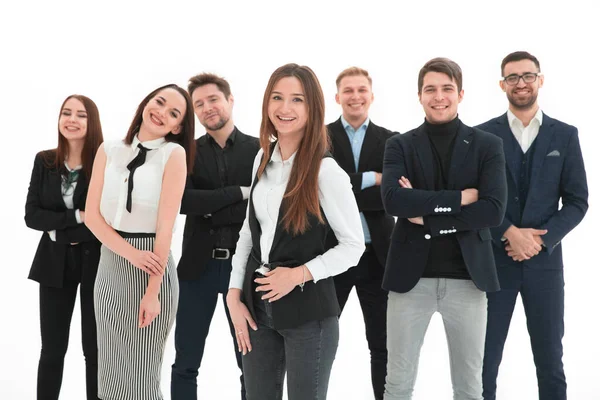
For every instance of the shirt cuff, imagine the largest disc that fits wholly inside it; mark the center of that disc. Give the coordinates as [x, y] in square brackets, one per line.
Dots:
[52, 235]
[368, 180]
[245, 192]
[78, 216]
[317, 269]
[236, 281]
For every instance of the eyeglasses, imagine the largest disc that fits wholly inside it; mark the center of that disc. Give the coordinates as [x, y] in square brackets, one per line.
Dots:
[528, 77]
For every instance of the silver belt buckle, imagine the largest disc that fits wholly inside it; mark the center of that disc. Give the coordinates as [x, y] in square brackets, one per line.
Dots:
[227, 254]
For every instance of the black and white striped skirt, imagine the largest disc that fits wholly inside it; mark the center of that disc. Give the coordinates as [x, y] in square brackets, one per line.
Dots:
[130, 358]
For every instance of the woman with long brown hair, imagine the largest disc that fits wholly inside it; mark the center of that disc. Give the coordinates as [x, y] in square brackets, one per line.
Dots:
[68, 253]
[133, 201]
[281, 283]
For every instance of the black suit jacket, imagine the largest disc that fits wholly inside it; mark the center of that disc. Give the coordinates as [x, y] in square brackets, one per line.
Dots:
[369, 200]
[45, 210]
[557, 173]
[477, 162]
[205, 195]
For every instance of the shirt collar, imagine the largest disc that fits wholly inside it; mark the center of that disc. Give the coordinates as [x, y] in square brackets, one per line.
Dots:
[149, 144]
[347, 125]
[276, 156]
[512, 118]
[230, 139]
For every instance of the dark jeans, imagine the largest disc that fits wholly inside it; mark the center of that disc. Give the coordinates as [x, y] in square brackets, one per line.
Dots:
[306, 353]
[197, 302]
[367, 277]
[542, 293]
[56, 310]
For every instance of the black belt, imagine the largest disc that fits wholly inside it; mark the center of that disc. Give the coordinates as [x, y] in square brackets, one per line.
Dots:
[222, 254]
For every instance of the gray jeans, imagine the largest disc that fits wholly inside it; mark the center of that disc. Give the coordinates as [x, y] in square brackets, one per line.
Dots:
[464, 311]
[306, 353]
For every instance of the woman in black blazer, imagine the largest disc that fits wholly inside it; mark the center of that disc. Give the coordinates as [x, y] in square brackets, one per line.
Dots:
[68, 253]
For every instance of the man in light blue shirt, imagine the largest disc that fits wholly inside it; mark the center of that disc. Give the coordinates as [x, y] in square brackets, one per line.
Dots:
[358, 146]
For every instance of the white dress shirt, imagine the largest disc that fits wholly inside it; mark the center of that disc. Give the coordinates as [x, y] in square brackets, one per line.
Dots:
[525, 135]
[336, 200]
[146, 189]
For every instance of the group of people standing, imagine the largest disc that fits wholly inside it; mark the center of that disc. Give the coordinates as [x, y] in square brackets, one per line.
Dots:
[283, 226]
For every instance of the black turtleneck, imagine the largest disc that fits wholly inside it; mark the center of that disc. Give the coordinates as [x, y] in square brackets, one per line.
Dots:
[445, 256]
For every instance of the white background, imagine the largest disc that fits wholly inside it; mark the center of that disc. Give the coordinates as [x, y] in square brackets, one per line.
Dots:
[117, 53]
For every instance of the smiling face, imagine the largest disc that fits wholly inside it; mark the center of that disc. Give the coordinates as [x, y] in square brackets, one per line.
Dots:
[287, 107]
[72, 123]
[355, 96]
[439, 97]
[522, 96]
[164, 113]
[211, 107]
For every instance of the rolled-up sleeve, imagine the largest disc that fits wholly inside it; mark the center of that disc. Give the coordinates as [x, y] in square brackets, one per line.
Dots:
[339, 205]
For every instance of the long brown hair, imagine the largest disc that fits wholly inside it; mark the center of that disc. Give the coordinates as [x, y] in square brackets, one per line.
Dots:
[93, 139]
[301, 196]
[185, 137]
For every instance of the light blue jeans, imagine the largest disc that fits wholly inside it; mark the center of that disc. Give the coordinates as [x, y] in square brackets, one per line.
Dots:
[464, 311]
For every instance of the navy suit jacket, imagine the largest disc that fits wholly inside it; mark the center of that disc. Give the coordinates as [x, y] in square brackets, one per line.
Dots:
[477, 162]
[557, 173]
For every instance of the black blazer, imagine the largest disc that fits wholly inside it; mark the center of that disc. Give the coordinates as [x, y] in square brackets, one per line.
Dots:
[369, 200]
[45, 210]
[205, 195]
[557, 173]
[477, 162]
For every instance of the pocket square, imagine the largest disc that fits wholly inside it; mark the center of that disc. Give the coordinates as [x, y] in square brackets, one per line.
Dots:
[553, 153]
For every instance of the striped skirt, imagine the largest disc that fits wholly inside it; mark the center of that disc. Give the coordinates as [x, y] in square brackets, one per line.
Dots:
[130, 358]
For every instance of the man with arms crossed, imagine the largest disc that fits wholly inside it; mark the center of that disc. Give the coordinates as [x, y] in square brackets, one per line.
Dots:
[214, 201]
[544, 165]
[358, 145]
[446, 183]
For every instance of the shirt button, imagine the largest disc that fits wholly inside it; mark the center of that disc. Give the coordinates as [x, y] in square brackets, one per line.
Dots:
[125, 180]
[428, 236]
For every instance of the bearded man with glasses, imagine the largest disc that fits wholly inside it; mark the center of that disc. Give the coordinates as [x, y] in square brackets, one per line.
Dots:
[544, 165]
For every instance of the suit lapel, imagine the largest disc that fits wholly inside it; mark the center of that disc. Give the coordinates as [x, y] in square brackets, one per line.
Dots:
[79, 189]
[508, 139]
[370, 143]
[423, 147]
[462, 143]
[341, 146]
[543, 140]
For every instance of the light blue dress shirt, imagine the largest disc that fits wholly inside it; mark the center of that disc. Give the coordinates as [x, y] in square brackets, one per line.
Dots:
[357, 137]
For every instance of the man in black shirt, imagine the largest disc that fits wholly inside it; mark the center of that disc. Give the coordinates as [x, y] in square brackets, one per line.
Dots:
[215, 201]
[446, 184]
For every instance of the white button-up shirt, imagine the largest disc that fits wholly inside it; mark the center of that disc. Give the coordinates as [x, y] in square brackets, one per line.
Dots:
[336, 200]
[525, 135]
[147, 186]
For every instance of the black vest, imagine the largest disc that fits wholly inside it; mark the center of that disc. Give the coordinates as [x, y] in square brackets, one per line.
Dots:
[318, 300]
[522, 166]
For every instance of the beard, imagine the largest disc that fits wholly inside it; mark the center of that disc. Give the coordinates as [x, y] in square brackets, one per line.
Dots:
[522, 104]
[217, 125]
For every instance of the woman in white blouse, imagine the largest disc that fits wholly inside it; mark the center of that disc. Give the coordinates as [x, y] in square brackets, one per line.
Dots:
[281, 283]
[133, 200]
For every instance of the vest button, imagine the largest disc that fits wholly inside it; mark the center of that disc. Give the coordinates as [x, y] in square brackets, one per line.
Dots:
[516, 199]
[428, 236]
[212, 231]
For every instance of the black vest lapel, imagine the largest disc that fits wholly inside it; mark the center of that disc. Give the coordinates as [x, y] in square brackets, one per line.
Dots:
[342, 147]
[370, 143]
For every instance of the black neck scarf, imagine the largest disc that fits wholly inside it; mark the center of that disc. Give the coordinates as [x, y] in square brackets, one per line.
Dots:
[138, 161]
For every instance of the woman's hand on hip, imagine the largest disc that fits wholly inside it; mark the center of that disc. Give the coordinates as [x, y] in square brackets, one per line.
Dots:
[279, 282]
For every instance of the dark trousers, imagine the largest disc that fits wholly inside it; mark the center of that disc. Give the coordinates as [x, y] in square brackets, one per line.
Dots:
[367, 277]
[197, 302]
[542, 293]
[56, 310]
[305, 353]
